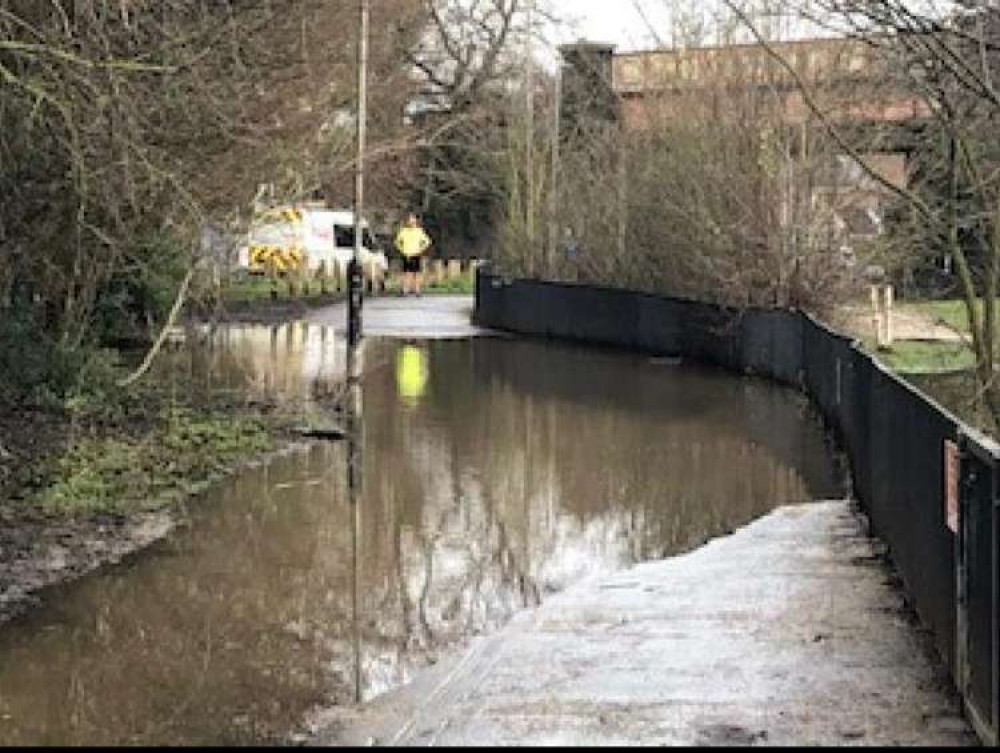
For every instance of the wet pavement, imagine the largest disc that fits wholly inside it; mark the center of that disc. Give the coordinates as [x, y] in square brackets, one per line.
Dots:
[788, 632]
[428, 316]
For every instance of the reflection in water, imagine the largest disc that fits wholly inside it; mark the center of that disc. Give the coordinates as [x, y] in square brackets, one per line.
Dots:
[411, 372]
[290, 363]
[523, 468]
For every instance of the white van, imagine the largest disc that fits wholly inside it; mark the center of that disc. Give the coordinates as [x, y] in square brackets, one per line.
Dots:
[328, 236]
[310, 235]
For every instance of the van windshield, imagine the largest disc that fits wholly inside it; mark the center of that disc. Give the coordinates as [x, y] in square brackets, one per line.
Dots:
[344, 235]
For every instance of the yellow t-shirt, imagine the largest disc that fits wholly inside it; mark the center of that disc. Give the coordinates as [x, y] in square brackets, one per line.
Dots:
[412, 241]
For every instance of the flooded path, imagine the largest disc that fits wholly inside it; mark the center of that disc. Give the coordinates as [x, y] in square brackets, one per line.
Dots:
[497, 471]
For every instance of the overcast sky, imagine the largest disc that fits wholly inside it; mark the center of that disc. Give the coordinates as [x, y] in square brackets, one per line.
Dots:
[646, 24]
[615, 21]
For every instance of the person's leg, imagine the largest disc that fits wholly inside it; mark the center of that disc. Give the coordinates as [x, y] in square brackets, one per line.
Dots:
[410, 268]
[418, 276]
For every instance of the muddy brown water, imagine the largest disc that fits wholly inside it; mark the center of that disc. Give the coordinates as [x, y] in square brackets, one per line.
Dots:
[496, 471]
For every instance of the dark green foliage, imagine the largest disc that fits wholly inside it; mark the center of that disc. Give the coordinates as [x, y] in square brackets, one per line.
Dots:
[36, 368]
[139, 294]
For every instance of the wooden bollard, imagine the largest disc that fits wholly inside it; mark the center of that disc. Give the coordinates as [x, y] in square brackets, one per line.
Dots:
[372, 277]
[876, 315]
[887, 312]
[321, 275]
[454, 269]
[304, 280]
[882, 305]
[395, 271]
[437, 275]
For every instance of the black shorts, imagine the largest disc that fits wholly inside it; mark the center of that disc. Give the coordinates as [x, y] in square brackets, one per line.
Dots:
[412, 264]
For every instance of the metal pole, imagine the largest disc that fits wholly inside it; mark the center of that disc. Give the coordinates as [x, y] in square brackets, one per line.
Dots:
[355, 464]
[355, 287]
[529, 133]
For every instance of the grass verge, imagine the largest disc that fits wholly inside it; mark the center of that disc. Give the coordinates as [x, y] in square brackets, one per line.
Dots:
[177, 453]
[117, 451]
[951, 313]
[924, 356]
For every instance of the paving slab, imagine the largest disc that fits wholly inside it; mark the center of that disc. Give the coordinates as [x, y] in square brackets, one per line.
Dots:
[790, 631]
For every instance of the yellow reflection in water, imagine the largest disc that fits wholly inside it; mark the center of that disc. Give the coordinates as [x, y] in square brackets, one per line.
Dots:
[411, 373]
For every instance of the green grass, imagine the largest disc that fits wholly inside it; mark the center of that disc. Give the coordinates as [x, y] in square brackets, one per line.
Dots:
[179, 455]
[952, 313]
[257, 288]
[924, 356]
[463, 285]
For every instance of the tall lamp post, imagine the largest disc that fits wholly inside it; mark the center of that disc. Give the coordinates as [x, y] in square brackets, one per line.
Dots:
[355, 463]
[355, 287]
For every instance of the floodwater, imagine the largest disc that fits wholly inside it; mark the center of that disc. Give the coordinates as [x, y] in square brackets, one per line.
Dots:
[496, 471]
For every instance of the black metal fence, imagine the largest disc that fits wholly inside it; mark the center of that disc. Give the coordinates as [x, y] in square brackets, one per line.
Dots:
[928, 483]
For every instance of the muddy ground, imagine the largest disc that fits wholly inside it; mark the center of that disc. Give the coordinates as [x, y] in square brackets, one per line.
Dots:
[40, 549]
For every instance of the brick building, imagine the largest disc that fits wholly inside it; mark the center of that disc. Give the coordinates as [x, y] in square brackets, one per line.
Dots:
[638, 90]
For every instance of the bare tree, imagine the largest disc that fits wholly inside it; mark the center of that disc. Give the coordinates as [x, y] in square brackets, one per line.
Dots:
[947, 57]
[468, 58]
[124, 127]
[705, 178]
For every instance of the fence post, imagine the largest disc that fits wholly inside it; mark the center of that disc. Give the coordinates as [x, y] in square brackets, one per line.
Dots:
[978, 588]
[994, 709]
[882, 305]
[887, 313]
[338, 276]
[394, 273]
[321, 274]
[876, 315]
[996, 619]
[305, 282]
[964, 486]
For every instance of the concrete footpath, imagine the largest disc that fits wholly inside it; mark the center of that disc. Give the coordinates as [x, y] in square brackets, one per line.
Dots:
[790, 631]
[424, 317]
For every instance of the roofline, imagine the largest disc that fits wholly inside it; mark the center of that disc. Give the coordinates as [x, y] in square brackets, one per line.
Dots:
[584, 44]
[741, 45]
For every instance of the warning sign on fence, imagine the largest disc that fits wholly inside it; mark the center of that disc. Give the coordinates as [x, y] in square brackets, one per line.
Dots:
[951, 474]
